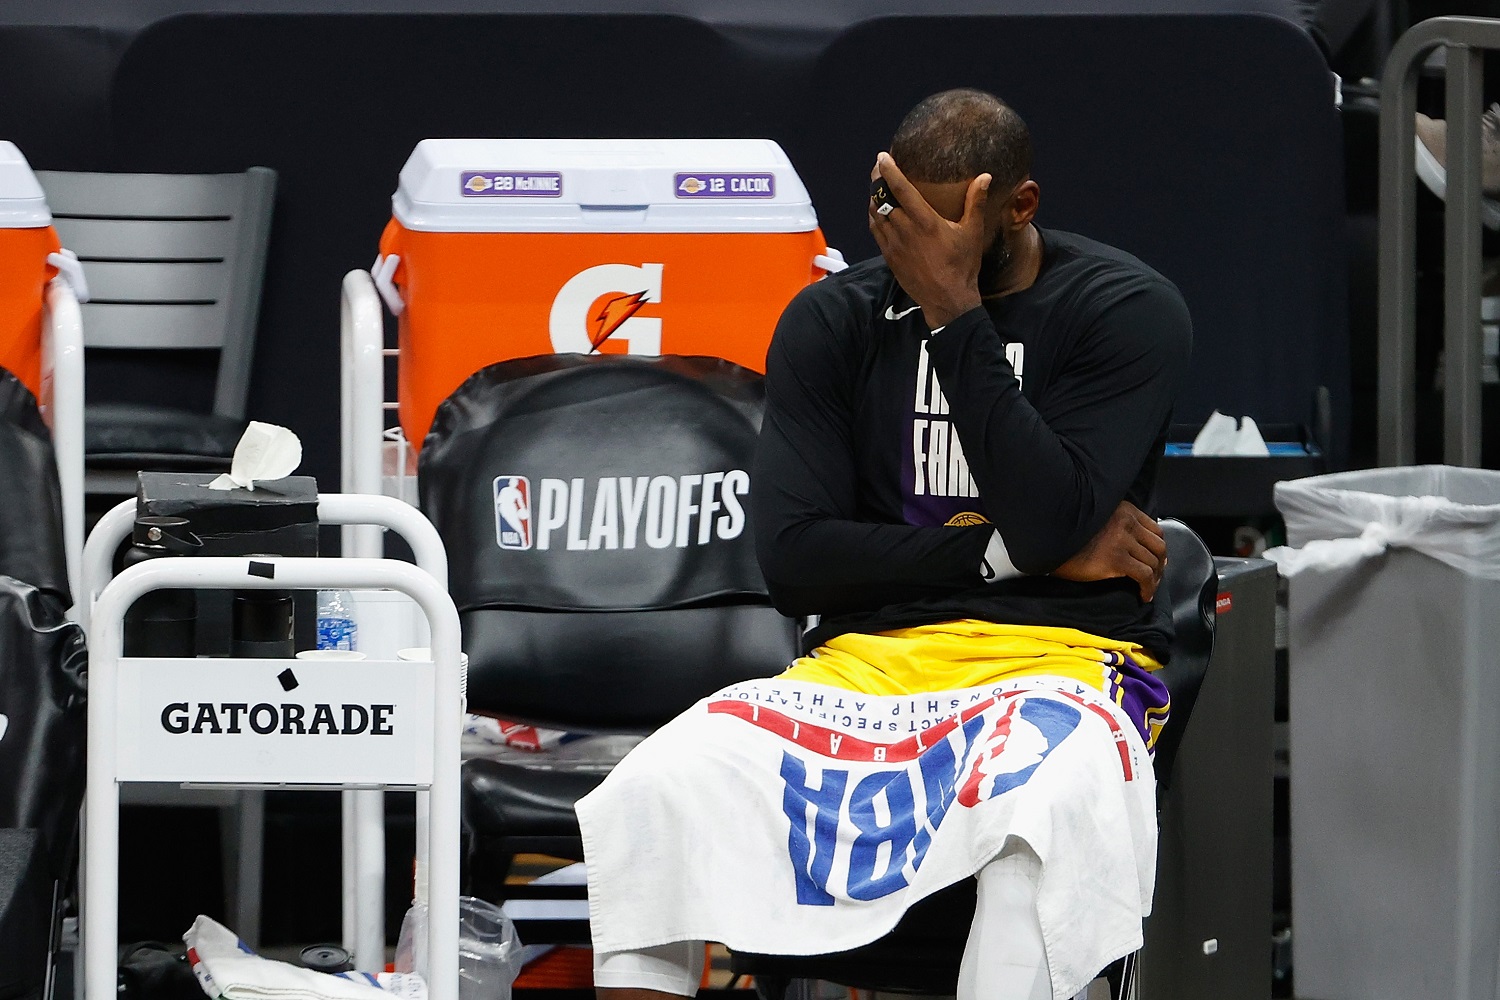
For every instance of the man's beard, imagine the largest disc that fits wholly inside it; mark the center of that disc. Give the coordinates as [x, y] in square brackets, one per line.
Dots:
[993, 264]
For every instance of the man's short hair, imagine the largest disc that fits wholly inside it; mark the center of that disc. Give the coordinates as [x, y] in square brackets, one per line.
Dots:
[959, 134]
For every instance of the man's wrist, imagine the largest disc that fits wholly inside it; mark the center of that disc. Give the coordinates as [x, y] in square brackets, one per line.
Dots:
[942, 320]
[938, 316]
[996, 564]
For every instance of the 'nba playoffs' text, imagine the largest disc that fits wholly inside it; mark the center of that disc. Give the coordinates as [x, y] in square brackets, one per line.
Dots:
[620, 512]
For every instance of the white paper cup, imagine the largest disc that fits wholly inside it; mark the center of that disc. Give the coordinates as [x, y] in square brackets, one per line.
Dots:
[330, 654]
[424, 653]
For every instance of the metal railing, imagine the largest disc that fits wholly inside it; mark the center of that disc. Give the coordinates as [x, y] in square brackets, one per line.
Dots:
[1465, 39]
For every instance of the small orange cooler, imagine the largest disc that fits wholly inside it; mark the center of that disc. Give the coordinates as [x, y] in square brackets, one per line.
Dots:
[26, 238]
[514, 247]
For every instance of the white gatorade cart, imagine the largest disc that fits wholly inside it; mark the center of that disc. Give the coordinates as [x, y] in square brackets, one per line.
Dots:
[507, 248]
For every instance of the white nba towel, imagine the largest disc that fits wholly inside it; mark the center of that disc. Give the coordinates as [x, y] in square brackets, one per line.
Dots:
[784, 817]
[228, 970]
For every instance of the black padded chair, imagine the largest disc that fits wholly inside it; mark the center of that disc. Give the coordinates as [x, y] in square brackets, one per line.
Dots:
[921, 955]
[592, 508]
[43, 711]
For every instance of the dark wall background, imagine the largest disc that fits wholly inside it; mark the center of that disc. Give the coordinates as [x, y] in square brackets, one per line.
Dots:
[1201, 137]
[1199, 134]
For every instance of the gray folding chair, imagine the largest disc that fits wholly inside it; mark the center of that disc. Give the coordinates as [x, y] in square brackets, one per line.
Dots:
[174, 262]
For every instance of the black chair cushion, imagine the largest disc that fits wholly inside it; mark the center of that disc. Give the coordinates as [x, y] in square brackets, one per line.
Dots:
[135, 436]
[25, 913]
[596, 483]
[501, 799]
[617, 671]
[593, 511]
[31, 532]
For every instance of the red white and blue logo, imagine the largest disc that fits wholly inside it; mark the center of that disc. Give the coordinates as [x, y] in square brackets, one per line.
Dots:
[862, 832]
[513, 512]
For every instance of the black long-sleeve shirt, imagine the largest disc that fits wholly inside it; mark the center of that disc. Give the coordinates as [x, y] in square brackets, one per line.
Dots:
[890, 456]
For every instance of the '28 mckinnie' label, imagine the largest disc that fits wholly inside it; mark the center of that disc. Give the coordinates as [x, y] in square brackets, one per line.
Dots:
[510, 184]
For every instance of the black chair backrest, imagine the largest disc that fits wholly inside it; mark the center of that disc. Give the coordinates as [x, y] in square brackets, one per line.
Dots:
[1189, 588]
[31, 533]
[594, 513]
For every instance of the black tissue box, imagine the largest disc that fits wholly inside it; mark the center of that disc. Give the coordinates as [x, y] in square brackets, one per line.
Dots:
[1233, 486]
[279, 518]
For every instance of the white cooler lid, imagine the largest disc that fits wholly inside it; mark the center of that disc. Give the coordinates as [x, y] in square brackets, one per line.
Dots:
[602, 185]
[22, 203]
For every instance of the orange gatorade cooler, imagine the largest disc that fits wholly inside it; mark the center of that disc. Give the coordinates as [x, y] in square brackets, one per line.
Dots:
[26, 238]
[515, 247]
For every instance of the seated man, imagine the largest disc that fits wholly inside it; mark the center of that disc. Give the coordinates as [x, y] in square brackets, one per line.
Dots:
[957, 440]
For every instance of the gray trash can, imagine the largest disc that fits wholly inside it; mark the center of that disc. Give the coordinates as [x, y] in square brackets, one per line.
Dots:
[1395, 732]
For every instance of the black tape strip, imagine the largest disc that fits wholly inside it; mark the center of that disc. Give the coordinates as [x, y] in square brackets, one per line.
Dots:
[288, 680]
[265, 569]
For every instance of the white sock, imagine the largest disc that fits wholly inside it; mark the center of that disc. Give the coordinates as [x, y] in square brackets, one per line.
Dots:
[1005, 958]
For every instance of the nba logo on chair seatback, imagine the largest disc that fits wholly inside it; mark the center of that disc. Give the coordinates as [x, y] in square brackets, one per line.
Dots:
[600, 303]
[513, 512]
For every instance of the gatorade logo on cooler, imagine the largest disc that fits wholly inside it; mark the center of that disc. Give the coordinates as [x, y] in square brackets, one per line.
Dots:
[621, 512]
[600, 303]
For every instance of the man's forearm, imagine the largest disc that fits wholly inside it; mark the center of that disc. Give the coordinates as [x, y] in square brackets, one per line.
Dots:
[1038, 490]
[829, 565]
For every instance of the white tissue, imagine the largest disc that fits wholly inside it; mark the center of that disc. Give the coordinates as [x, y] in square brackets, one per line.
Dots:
[265, 451]
[1221, 435]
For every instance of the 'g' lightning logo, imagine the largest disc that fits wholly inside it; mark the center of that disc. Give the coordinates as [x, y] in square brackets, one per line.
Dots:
[613, 314]
[600, 303]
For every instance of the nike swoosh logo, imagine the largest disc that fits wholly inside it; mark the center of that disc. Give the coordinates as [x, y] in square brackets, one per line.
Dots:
[893, 316]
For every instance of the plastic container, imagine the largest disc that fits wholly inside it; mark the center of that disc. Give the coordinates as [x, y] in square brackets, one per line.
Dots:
[489, 950]
[337, 626]
[1394, 608]
[26, 238]
[516, 247]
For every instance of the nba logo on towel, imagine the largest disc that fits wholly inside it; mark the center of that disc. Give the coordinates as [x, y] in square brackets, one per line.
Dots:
[513, 512]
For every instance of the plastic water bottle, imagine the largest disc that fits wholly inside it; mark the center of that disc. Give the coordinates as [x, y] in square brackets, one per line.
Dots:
[336, 625]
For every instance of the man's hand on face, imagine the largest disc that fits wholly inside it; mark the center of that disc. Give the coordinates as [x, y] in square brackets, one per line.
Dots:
[1129, 545]
[934, 260]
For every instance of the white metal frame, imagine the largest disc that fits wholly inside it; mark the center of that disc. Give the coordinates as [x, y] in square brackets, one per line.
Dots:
[362, 409]
[363, 810]
[364, 437]
[62, 361]
[362, 396]
[438, 836]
